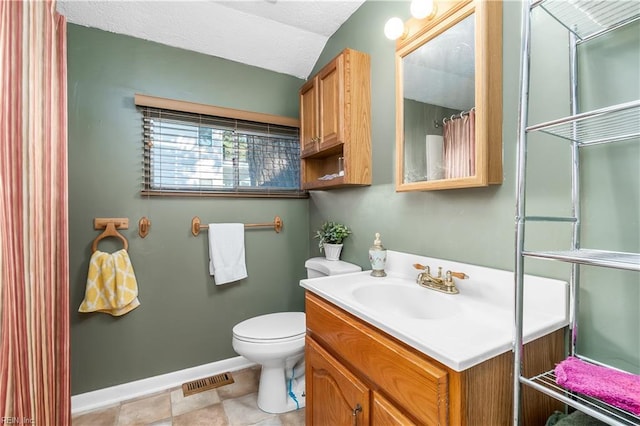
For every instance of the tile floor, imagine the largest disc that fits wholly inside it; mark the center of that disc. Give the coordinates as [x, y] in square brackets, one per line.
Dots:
[229, 405]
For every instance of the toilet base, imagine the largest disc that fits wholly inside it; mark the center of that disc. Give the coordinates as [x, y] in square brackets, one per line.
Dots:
[273, 391]
[276, 342]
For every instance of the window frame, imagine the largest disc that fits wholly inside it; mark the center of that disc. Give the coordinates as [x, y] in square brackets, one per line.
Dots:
[147, 101]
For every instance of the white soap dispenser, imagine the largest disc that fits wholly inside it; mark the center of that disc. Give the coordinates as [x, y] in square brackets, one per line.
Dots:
[378, 257]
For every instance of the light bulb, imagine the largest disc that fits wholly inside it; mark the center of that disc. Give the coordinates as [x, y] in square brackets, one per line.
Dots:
[421, 8]
[394, 28]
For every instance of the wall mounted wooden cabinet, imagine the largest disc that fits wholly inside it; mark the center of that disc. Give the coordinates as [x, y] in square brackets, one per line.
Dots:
[357, 374]
[449, 69]
[335, 122]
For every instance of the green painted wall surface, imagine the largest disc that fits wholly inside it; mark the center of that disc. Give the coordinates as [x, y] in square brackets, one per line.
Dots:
[477, 225]
[184, 319]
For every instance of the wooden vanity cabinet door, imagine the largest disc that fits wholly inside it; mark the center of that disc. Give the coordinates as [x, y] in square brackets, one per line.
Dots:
[419, 386]
[384, 413]
[334, 396]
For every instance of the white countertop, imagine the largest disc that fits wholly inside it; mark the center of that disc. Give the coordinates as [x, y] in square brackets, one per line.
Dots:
[460, 330]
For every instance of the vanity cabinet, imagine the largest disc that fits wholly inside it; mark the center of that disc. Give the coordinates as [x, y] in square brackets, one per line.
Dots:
[335, 121]
[357, 374]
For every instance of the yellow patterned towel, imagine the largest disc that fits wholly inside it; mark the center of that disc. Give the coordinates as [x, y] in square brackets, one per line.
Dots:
[111, 284]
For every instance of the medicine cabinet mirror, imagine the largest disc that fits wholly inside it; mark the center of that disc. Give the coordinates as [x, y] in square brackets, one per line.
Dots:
[449, 98]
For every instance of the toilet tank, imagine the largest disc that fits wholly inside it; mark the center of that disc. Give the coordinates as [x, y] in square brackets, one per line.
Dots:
[321, 267]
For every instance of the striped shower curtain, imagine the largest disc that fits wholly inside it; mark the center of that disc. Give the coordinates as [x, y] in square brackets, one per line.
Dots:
[459, 135]
[34, 272]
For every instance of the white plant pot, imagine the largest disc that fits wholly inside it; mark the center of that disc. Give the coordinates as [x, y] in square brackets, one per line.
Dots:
[332, 251]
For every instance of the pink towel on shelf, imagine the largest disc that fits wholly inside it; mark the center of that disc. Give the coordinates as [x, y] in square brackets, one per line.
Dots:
[614, 387]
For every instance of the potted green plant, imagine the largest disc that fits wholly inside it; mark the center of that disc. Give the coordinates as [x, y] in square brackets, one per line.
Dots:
[330, 237]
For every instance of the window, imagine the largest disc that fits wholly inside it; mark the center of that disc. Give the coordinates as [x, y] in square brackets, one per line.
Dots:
[190, 153]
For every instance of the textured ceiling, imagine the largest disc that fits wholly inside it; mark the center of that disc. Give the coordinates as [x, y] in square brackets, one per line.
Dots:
[285, 36]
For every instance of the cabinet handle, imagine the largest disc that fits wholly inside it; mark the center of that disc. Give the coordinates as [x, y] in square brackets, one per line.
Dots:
[355, 412]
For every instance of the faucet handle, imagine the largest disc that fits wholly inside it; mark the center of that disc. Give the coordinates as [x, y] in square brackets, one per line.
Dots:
[424, 268]
[460, 275]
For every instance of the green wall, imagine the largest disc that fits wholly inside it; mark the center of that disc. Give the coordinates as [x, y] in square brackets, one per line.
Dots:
[184, 319]
[477, 225]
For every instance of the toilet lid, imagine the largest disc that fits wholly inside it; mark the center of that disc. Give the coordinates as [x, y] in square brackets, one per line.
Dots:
[270, 327]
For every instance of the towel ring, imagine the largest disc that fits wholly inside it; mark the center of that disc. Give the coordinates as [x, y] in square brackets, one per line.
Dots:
[109, 231]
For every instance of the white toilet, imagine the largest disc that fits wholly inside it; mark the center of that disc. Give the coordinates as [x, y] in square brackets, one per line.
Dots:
[276, 341]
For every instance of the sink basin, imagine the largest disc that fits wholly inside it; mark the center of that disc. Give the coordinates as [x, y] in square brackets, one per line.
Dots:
[410, 302]
[460, 330]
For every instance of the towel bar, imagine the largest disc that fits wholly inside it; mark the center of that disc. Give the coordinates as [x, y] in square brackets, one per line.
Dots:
[196, 225]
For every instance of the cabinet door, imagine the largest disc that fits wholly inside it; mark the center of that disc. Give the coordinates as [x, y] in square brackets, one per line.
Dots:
[331, 103]
[309, 118]
[384, 413]
[418, 384]
[334, 395]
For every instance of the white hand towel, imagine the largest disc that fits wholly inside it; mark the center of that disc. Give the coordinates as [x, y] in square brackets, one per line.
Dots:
[226, 252]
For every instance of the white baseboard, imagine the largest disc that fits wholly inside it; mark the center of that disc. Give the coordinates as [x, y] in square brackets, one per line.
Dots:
[108, 396]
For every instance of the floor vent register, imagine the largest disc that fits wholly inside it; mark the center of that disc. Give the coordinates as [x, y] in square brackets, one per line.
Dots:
[207, 383]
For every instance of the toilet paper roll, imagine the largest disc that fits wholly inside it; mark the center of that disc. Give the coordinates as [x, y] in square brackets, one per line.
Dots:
[435, 159]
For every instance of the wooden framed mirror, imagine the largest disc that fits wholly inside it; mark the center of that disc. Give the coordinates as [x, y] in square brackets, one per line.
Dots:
[449, 98]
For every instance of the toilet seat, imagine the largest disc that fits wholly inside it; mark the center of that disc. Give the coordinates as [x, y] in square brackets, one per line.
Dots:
[279, 327]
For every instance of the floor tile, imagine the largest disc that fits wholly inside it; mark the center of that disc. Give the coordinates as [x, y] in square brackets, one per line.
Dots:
[104, 417]
[271, 421]
[244, 410]
[181, 404]
[244, 382]
[229, 405]
[146, 410]
[165, 422]
[212, 415]
[292, 418]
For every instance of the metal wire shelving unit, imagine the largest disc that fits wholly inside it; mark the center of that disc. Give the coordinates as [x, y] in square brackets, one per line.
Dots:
[585, 20]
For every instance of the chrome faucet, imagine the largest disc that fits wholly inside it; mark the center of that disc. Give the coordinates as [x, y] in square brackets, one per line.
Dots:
[444, 284]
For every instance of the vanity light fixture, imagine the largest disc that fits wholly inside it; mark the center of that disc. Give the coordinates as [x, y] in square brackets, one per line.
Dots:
[420, 9]
[394, 29]
[423, 9]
